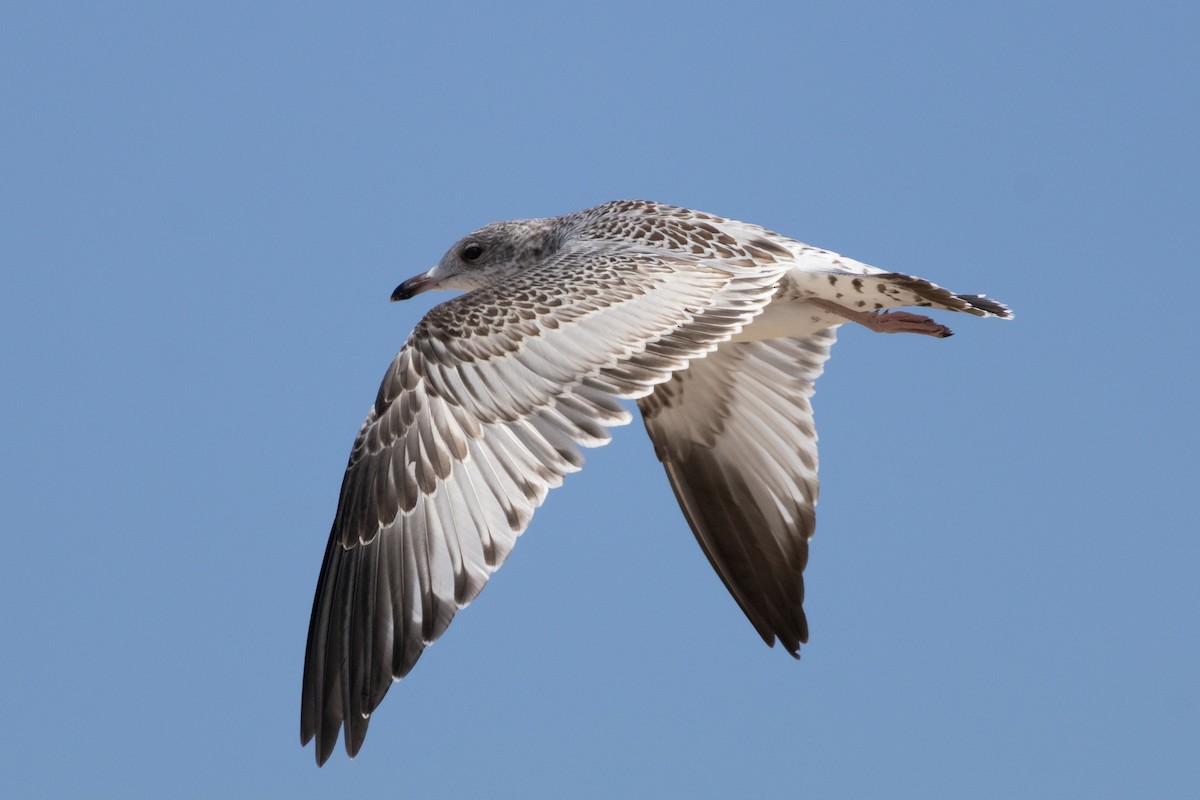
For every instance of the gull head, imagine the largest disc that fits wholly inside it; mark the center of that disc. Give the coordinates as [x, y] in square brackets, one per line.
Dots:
[486, 255]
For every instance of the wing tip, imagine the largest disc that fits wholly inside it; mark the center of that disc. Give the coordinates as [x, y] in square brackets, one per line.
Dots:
[325, 745]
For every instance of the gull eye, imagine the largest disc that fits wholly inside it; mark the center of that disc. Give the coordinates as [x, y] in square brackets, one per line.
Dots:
[472, 251]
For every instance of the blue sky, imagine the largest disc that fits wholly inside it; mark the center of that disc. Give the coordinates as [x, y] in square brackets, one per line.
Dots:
[206, 206]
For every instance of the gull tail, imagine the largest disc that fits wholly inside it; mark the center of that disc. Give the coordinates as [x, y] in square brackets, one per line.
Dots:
[925, 294]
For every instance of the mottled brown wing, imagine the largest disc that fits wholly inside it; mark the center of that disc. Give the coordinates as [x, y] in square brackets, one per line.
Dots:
[735, 433]
[483, 411]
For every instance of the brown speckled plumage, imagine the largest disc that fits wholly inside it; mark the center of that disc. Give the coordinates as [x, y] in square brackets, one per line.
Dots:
[717, 328]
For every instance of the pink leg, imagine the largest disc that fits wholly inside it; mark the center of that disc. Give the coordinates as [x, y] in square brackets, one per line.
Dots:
[886, 321]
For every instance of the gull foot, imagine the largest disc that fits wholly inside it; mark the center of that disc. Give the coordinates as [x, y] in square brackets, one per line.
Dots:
[887, 321]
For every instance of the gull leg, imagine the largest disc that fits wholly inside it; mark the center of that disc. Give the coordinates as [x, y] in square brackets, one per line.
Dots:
[886, 321]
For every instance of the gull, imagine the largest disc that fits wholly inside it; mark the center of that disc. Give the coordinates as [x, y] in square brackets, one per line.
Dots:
[717, 328]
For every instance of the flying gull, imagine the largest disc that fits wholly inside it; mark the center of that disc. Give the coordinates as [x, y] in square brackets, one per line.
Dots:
[717, 328]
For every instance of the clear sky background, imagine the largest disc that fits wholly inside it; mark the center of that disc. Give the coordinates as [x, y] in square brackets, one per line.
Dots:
[206, 205]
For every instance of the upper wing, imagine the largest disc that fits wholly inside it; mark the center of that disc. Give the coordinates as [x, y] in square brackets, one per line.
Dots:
[482, 412]
[735, 433]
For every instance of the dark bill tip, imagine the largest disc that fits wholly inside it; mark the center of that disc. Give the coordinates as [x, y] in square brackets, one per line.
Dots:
[412, 287]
